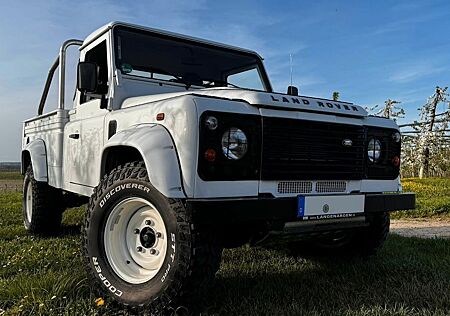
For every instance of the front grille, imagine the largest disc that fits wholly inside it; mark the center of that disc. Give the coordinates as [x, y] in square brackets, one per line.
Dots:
[298, 187]
[331, 186]
[285, 187]
[307, 150]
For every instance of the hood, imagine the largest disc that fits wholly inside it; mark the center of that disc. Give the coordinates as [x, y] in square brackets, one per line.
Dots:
[262, 100]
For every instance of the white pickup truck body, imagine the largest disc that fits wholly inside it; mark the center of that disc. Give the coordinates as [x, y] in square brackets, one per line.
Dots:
[75, 164]
[160, 137]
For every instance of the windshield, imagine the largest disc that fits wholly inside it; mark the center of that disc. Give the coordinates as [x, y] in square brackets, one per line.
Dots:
[144, 54]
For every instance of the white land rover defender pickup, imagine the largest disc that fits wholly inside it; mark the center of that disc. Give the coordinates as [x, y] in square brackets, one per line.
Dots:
[183, 149]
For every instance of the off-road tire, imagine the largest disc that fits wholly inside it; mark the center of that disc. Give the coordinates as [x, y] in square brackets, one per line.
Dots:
[362, 242]
[46, 209]
[367, 241]
[192, 266]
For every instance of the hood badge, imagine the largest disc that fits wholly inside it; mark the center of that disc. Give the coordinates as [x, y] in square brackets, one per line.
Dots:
[320, 104]
[347, 143]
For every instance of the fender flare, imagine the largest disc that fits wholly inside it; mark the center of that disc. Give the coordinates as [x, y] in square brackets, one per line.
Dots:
[158, 151]
[38, 156]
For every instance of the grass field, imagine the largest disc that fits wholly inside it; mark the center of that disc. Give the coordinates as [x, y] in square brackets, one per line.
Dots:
[45, 276]
[10, 181]
[433, 197]
[10, 175]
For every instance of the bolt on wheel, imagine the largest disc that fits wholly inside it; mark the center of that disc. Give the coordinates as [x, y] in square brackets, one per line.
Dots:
[29, 201]
[135, 240]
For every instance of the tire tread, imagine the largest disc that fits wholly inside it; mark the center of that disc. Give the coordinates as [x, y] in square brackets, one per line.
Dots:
[47, 213]
[199, 259]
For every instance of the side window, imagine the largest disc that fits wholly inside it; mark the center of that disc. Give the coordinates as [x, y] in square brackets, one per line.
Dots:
[98, 55]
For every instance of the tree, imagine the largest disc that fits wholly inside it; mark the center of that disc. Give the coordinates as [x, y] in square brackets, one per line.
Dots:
[390, 110]
[335, 96]
[432, 130]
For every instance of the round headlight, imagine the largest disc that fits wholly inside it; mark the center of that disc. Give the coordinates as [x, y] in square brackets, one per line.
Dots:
[234, 143]
[396, 137]
[374, 150]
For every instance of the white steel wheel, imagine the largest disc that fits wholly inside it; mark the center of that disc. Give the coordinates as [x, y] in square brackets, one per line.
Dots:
[29, 201]
[135, 240]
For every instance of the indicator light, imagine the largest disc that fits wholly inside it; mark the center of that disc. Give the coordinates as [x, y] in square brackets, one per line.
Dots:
[210, 155]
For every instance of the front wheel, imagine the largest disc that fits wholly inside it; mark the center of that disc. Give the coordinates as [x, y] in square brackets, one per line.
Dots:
[361, 242]
[369, 240]
[142, 248]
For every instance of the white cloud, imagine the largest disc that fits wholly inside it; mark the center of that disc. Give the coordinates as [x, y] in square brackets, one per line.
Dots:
[407, 21]
[414, 71]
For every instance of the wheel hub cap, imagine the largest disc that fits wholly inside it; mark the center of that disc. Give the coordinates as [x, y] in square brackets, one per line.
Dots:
[135, 240]
[148, 237]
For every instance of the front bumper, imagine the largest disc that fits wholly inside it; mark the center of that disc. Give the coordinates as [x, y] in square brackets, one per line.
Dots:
[284, 209]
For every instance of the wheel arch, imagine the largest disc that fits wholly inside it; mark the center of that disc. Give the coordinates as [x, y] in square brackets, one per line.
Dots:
[35, 154]
[117, 155]
[152, 144]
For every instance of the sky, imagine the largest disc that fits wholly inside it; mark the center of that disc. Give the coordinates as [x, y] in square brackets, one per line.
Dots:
[369, 51]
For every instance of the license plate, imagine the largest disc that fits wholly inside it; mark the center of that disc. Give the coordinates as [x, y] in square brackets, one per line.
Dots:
[329, 206]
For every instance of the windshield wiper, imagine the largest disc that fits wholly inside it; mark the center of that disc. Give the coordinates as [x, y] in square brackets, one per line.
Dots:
[209, 84]
[176, 78]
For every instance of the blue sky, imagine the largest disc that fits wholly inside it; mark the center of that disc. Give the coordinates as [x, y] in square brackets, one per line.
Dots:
[369, 51]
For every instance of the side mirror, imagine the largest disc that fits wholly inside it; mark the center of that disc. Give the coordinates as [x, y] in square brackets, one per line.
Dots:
[292, 91]
[87, 80]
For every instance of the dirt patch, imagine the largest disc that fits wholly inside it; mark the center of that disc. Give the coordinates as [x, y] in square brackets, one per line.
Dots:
[11, 185]
[422, 228]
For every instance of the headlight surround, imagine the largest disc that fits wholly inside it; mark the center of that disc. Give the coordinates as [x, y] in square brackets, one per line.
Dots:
[211, 122]
[396, 137]
[234, 143]
[224, 166]
[374, 150]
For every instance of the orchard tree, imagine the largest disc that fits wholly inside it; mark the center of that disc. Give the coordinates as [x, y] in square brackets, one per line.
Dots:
[335, 96]
[431, 130]
[391, 110]
[410, 163]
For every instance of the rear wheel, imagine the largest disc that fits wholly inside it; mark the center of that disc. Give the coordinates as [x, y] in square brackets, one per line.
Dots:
[143, 249]
[40, 206]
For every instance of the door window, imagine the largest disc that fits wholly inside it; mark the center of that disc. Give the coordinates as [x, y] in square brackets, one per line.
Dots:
[98, 55]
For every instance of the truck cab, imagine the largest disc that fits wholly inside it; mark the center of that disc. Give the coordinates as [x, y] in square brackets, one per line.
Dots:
[181, 144]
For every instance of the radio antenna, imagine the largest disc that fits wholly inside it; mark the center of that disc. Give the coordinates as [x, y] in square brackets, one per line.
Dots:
[290, 63]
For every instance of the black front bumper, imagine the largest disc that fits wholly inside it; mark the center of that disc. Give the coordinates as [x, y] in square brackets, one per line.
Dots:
[284, 209]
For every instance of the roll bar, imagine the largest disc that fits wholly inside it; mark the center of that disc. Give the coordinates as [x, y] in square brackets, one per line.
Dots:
[61, 62]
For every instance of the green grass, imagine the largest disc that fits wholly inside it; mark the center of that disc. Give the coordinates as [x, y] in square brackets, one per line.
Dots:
[45, 276]
[432, 197]
[10, 175]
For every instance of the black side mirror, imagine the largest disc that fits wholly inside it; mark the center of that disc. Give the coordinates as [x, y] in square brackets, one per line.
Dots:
[292, 91]
[87, 76]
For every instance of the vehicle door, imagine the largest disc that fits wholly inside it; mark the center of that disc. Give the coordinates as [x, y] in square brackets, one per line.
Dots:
[84, 134]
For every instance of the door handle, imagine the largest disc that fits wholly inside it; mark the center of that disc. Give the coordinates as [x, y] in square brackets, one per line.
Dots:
[74, 136]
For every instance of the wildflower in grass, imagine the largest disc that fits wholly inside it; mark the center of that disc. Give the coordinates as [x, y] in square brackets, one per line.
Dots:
[100, 301]
[53, 297]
